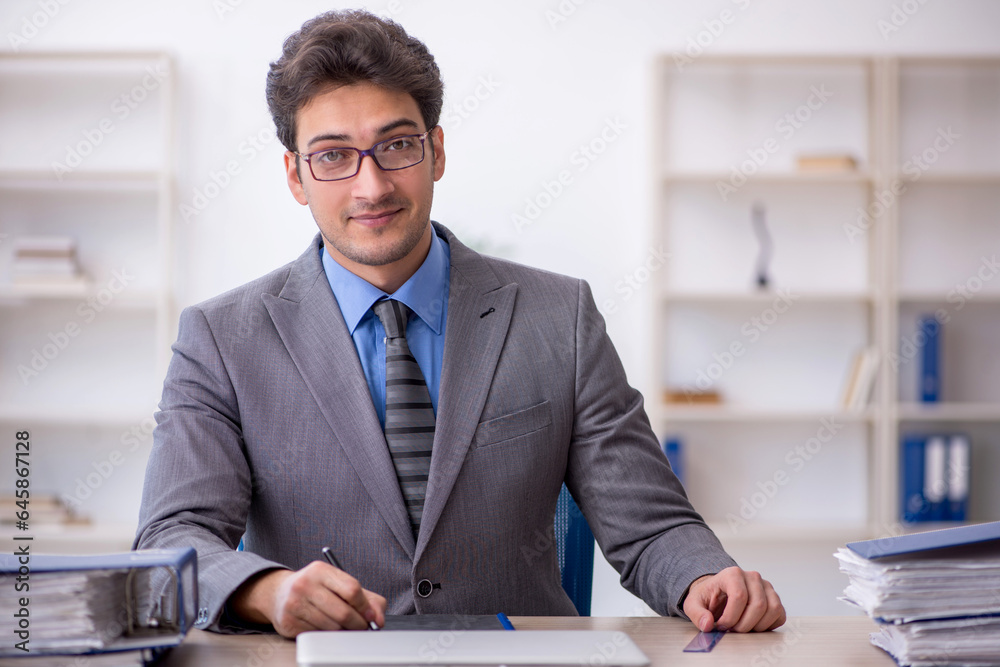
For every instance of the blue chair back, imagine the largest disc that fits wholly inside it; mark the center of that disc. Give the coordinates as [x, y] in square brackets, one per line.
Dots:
[575, 548]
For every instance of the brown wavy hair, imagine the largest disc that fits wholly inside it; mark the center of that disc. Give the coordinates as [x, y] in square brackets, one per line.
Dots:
[339, 48]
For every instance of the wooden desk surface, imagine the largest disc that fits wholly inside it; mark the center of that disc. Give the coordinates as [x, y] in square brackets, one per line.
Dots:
[830, 641]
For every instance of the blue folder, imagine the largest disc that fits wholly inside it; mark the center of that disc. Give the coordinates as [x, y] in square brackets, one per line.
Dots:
[930, 360]
[917, 543]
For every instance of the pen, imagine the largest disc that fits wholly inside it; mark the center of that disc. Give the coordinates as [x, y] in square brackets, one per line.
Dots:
[332, 560]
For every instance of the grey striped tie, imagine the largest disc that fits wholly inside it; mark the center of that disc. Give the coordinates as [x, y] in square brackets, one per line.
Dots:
[409, 415]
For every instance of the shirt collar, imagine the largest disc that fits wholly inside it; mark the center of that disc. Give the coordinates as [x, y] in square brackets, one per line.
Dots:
[424, 292]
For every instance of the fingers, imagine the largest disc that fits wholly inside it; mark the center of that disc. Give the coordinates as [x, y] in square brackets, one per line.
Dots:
[704, 602]
[732, 584]
[776, 609]
[753, 603]
[741, 601]
[321, 597]
[377, 606]
[343, 600]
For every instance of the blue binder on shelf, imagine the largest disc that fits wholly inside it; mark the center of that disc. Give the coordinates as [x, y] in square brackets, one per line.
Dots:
[936, 477]
[959, 473]
[136, 604]
[914, 507]
[930, 359]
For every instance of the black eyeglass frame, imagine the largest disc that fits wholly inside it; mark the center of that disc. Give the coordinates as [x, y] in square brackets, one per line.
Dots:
[370, 152]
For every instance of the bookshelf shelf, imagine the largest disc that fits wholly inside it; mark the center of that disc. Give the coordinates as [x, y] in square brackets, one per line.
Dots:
[20, 295]
[724, 298]
[717, 414]
[776, 177]
[952, 412]
[953, 177]
[991, 297]
[74, 539]
[90, 179]
[760, 533]
[75, 416]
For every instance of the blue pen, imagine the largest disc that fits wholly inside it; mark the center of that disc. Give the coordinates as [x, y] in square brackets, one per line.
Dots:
[505, 622]
[332, 560]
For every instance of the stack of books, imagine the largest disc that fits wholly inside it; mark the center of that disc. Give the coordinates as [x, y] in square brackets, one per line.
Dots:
[860, 380]
[46, 509]
[936, 595]
[46, 262]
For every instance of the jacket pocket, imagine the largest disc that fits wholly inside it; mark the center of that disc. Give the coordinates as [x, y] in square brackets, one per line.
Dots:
[514, 425]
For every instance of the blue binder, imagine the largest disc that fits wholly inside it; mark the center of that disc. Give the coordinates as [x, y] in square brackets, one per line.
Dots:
[160, 599]
[959, 469]
[912, 504]
[936, 477]
[930, 359]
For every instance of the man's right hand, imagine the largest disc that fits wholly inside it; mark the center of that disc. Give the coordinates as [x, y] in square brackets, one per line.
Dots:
[317, 597]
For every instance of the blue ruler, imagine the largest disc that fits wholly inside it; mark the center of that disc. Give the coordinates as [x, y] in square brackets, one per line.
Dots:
[704, 642]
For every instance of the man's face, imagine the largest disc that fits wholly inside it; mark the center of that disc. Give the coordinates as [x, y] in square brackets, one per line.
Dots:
[374, 218]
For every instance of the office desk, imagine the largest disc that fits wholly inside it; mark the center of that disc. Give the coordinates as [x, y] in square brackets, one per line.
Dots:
[830, 641]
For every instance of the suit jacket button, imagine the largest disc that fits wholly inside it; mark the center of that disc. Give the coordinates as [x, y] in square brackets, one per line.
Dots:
[425, 588]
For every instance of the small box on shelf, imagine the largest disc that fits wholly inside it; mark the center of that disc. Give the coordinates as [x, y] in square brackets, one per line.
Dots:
[834, 162]
[692, 397]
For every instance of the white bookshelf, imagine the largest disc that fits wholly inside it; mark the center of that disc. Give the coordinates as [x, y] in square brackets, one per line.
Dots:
[852, 290]
[108, 118]
[947, 221]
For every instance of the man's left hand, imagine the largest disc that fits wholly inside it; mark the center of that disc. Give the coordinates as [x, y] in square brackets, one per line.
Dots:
[734, 600]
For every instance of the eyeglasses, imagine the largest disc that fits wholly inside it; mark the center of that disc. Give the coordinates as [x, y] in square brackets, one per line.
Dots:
[336, 164]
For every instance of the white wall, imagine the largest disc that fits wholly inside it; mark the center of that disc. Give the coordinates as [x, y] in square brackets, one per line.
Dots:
[561, 71]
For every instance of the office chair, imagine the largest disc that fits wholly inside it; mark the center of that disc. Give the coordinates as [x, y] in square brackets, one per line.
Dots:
[574, 548]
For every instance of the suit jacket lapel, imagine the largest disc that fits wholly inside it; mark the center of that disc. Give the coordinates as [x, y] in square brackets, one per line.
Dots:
[312, 328]
[479, 312]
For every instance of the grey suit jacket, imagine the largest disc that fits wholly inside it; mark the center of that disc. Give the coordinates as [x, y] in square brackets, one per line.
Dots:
[266, 431]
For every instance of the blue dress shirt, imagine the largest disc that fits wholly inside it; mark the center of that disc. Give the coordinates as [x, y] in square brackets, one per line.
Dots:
[425, 293]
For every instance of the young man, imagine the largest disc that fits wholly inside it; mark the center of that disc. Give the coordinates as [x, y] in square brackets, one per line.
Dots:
[409, 403]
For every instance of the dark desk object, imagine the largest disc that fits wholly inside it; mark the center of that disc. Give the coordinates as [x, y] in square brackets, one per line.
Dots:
[456, 622]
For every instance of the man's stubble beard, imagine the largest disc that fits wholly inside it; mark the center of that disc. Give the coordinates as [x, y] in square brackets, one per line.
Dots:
[377, 254]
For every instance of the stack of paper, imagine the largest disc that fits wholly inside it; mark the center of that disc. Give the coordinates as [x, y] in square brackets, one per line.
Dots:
[962, 641]
[84, 610]
[935, 594]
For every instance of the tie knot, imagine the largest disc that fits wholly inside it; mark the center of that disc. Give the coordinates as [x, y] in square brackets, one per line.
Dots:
[394, 315]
